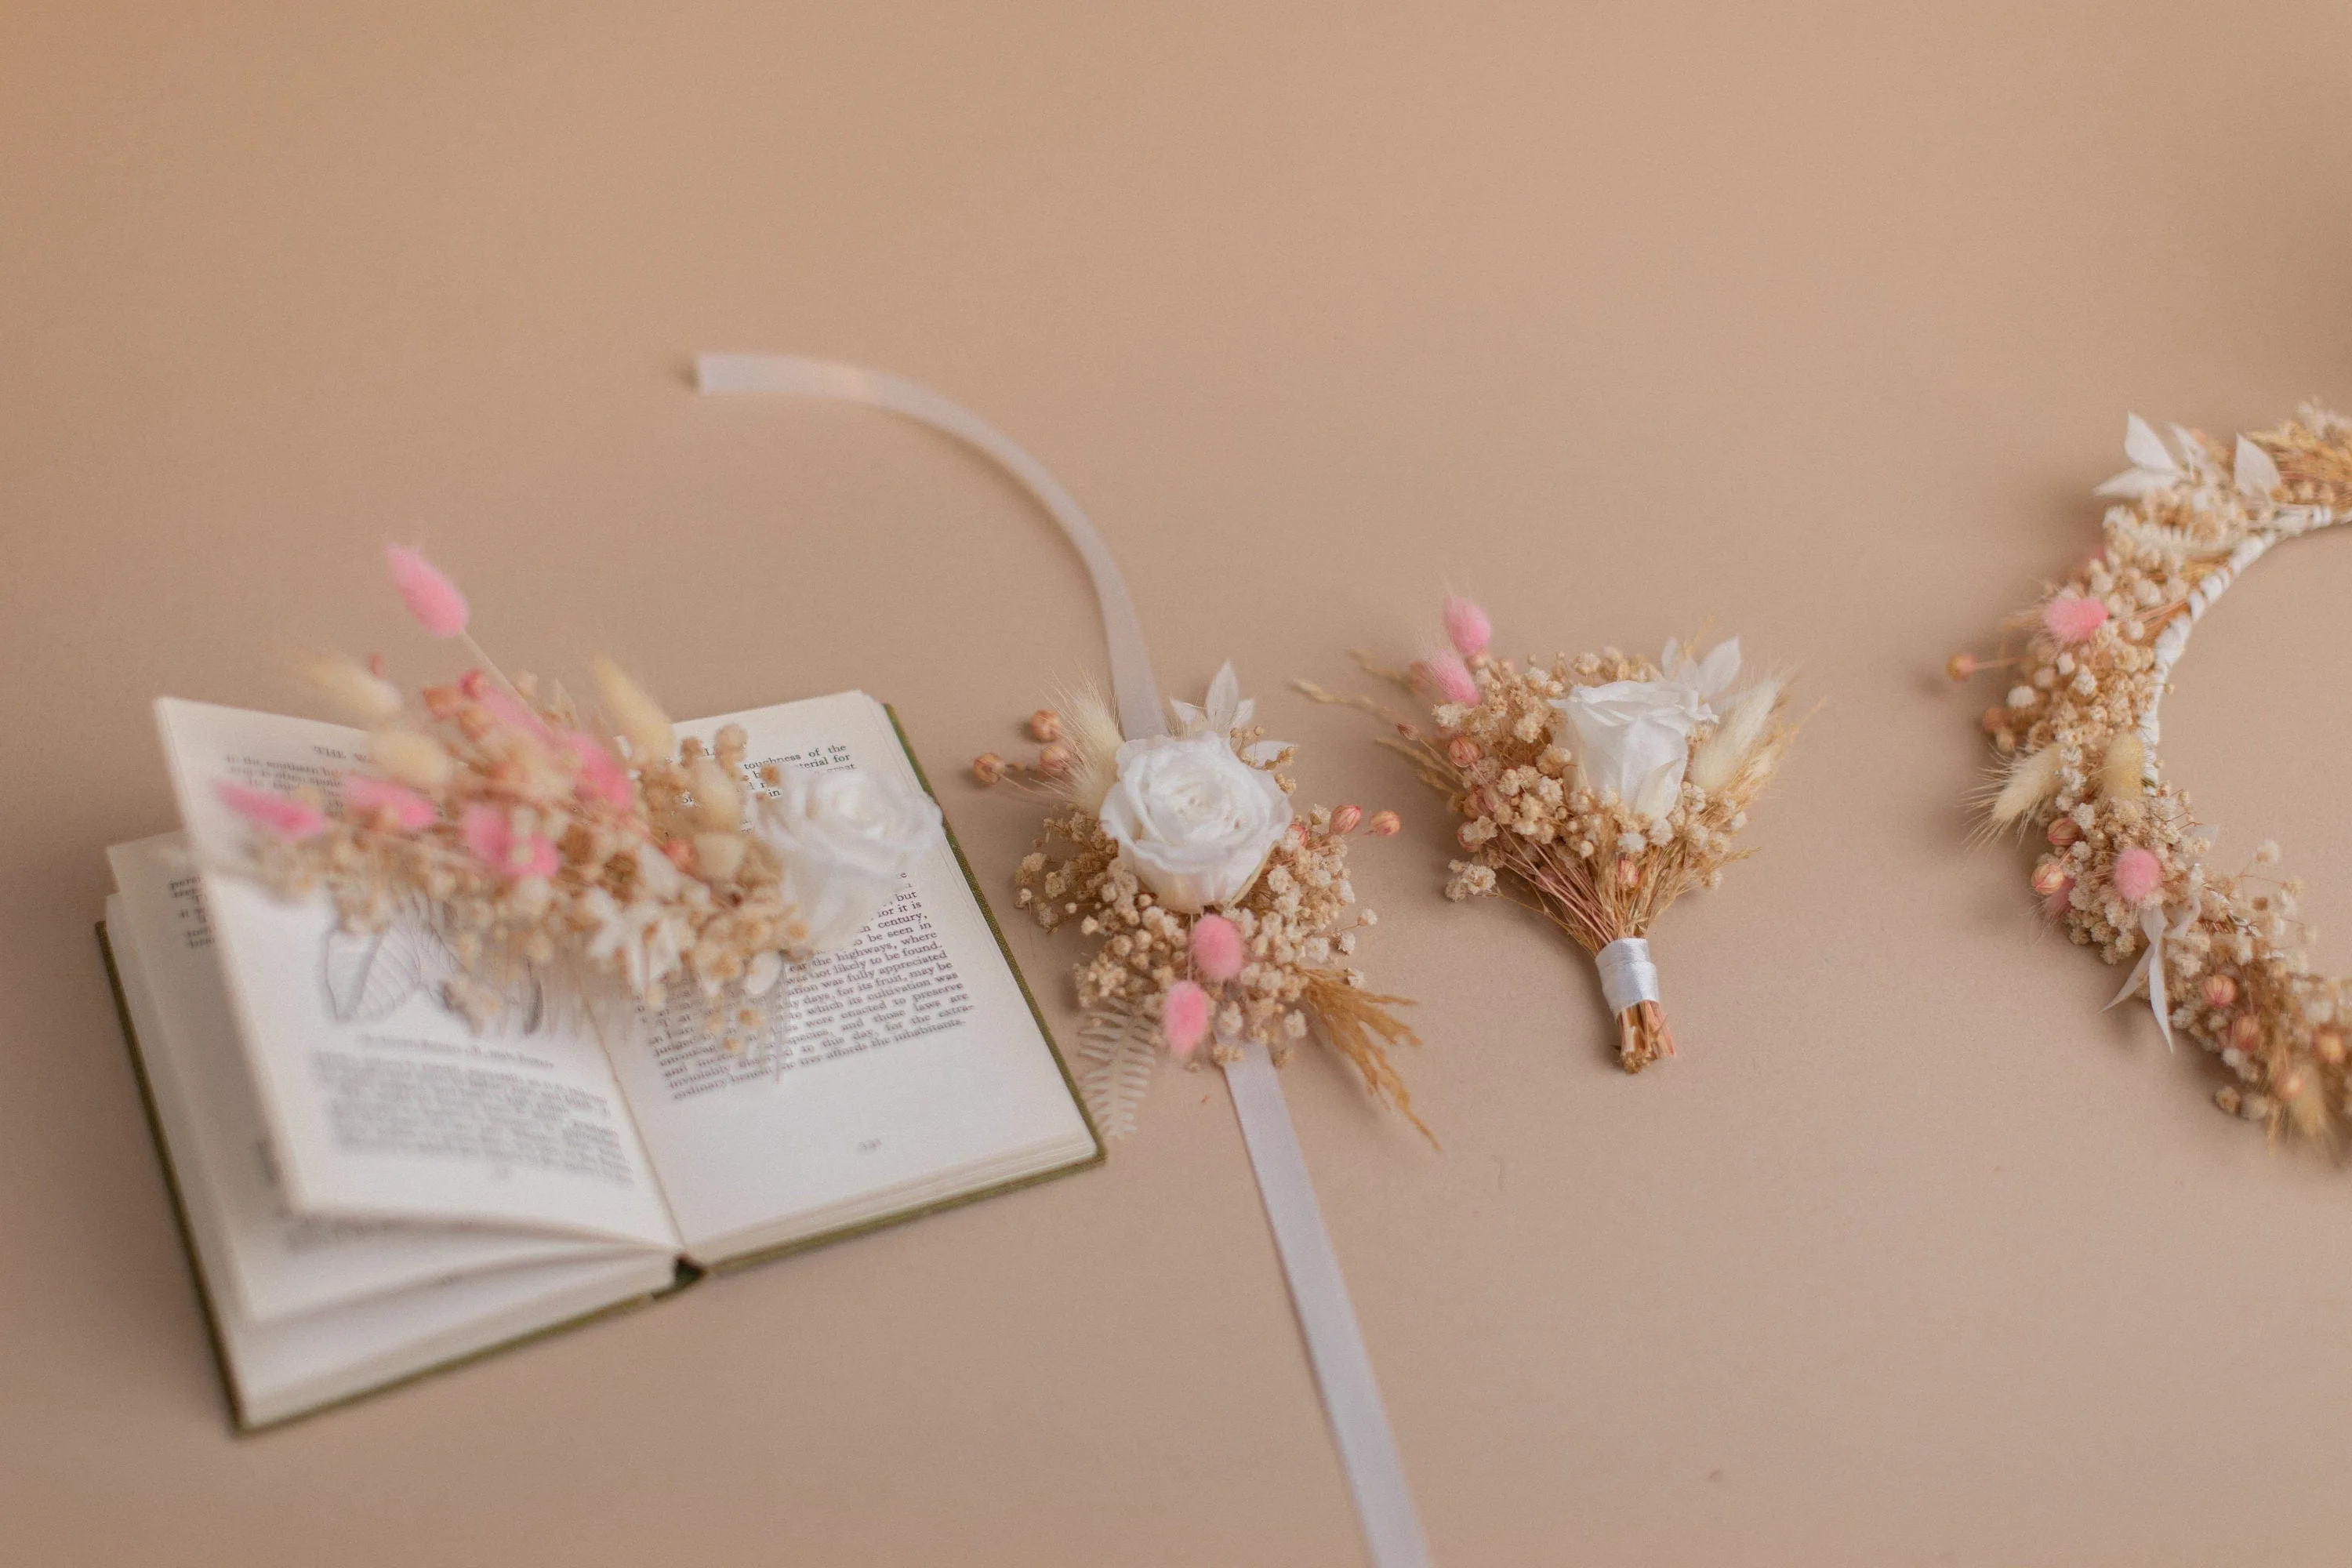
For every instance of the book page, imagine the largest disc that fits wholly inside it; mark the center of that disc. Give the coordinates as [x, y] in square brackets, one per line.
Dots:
[384, 1103]
[277, 1264]
[908, 1066]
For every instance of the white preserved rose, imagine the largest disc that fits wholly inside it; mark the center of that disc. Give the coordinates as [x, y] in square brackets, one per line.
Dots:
[1631, 738]
[845, 836]
[1193, 820]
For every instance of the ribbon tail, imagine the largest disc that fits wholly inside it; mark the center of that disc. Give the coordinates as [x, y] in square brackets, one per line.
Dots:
[2150, 968]
[1335, 1344]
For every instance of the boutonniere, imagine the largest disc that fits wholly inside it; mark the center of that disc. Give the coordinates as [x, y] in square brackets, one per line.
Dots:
[1593, 790]
[1220, 912]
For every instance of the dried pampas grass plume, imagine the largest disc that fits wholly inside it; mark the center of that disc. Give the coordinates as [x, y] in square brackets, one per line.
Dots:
[2123, 771]
[2025, 784]
[1720, 757]
[1091, 731]
[636, 718]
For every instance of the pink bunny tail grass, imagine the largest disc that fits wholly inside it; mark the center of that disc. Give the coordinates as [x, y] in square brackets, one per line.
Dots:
[602, 780]
[432, 598]
[507, 710]
[1452, 679]
[491, 838]
[2138, 875]
[271, 813]
[1466, 627]
[1217, 948]
[2073, 620]
[1184, 1017]
[390, 805]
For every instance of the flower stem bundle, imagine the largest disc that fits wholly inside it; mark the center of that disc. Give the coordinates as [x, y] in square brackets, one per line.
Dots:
[1594, 791]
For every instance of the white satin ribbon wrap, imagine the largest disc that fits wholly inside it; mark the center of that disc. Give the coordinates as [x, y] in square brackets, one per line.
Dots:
[1628, 978]
[1335, 1344]
[2150, 966]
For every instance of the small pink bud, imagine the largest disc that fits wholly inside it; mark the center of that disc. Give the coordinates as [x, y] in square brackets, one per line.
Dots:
[1344, 820]
[987, 768]
[1184, 1017]
[601, 779]
[1462, 751]
[491, 838]
[1045, 725]
[1217, 948]
[386, 804]
[2138, 875]
[432, 598]
[1384, 824]
[1466, 627]
[270, 812]
[2049, 877]
[2072, 619]
[1453, 680]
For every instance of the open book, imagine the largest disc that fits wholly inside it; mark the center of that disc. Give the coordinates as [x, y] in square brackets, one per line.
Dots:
[374, 1187]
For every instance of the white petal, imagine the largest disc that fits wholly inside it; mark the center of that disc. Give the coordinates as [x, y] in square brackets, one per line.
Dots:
[1264, 750]
[2254, 472]
[2135, 482]
[2144, 448]
[1243, 714]
[1224, 696]
[1720, 668]
[1670, 663]
[2193, 451]
[1192, 718]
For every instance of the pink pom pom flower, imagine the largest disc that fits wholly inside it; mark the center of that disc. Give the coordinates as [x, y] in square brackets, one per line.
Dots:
[1184, 1017]
[602, 780]
[1217, 948]
[432, 598]
[2138, 875]
[1453, 680]
[491, 838]
[367, 796]
[271, 813]
[2072, 619]
[1466, 627]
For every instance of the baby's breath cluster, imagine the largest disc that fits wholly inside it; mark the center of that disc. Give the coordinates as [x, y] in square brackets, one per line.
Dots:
[1596, 789]
[1220, 914]
[2122, 863]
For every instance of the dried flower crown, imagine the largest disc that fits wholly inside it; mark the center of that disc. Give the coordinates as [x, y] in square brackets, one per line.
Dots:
[506, 821]
[1223, 915]
[1595, 790]
[2122, 864]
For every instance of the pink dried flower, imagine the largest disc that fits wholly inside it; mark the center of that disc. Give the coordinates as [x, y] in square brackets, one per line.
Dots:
[1184, 1016]
[514, 715]
[1217, 948]
[2138, 875]
[1384, 824]
[2072, 619]
[1344, 820]
[432, 598]
[366, 796]
[492, 839]
[602, 780]
[1466, 627]
[271, 813]
[1453, 679]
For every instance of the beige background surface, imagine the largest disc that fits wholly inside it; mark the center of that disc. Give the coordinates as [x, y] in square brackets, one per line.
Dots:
[1818, 320]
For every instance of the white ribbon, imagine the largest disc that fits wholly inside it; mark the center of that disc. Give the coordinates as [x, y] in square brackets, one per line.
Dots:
[1628, 978]
[1335, 1344]
[2150, 966]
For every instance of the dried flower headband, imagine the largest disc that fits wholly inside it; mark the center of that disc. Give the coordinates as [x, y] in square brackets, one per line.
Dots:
[1594, 791]
[2121, 863]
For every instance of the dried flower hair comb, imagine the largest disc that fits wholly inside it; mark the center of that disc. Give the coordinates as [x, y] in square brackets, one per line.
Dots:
[1226, 915]
[2120, 861]
[500, 816]
[1594, 790]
